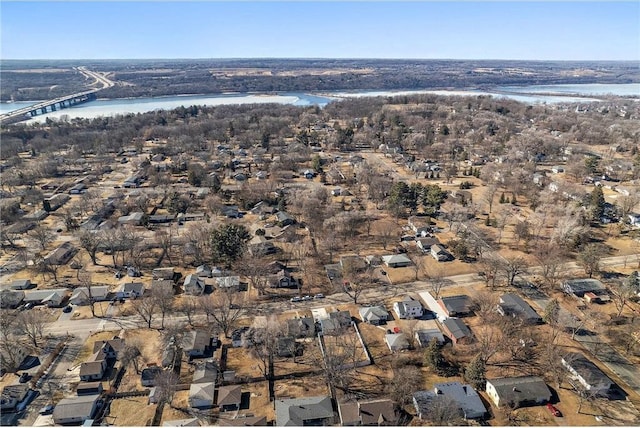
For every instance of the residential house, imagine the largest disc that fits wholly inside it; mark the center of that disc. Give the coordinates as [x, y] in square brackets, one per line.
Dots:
[161, 218]
[229, 397]
[425, 244]
[165, 285]
[588, 374]
[52, 297]
[193, 285]
[439, 253]
[396, 260]
[201, 395]
[94, 368]
[22, 284]
[424, 336]
[134, 219]
[109, 348]
[336, 323]
[61, 255]
[301, 327]
[282, 279]
[149, 374]
[89, 388]
[375, 315]
[380, 412]
[75, 410]
[396, 341]
[205, 271]
[284, 219]
[464, 397]
[130, 290]
[85, 295]
[166, 273]
[456, 330]
[408, 308]
[420, 225]
[12, 395]
[230, 211]
[197, 343]
[309, 411]
[518, 391]
[260, 246]
[229, 282]
[206, 372]
[578, 287]
[513, 305]
[11, 299]
[456, 306]
[286, 347]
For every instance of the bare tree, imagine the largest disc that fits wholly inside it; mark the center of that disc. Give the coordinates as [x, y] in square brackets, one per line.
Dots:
[254, 269]
[550, 259]
[32, 324]
[489, 195]
[131, 354]
[188, 306]
[224, 308]
[513, 267]
[43, 236]
[91, 243]
[263, 342]
[590, 257]
[146, 308]
[386, 230]
[405, 381]
[166, 386]
[163, 297]
[437, 280]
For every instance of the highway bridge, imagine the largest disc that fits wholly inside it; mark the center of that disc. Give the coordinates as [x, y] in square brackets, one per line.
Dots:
[58, 103]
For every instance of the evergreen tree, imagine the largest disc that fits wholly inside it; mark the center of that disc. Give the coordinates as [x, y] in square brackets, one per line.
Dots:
[597, 203]
[475, 372]
[433, 357]
[502, 198]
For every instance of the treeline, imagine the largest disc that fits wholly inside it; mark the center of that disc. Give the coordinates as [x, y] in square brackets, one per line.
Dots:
[174, 77]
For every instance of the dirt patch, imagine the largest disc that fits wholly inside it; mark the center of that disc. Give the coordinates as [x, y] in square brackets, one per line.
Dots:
[132, 411]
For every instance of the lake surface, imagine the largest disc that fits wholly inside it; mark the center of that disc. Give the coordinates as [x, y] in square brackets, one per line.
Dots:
[527, 94]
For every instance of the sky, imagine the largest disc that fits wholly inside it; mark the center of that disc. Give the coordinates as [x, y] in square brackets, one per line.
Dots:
[546, 30]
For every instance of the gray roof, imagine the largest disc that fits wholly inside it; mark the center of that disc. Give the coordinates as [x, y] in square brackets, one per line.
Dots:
[295, 411]
[512, 304]
[426, 335]
[138, 287]
[243, 421]
[457, 327]
[202, 391]
[80, 406]
[464, 396]
[374, 313]
[397, 341]
[583, 285]
[196, 340]
[587, 370]
[370, 412]
[457, 304]
[14, 392]
[396, 259]
[40, 295]
[205, 373]
[305, 326]
[520, 389]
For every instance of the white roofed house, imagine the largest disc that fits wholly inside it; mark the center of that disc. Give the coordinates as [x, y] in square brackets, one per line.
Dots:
[51, 298]
[408, 308]
[130, 290]
[396, 260]
[194, 285]
[375, 315]
[396, 341]
[85, 295]
[75, 410]
[228, 282]
[201, 395]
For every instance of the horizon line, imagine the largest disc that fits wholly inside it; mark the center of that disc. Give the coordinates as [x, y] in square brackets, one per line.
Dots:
[314, 58]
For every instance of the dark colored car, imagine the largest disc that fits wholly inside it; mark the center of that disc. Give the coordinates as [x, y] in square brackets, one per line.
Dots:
[67, 309]
[24, 377]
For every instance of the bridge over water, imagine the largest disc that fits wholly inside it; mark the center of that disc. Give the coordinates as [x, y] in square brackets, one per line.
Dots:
[57, 103]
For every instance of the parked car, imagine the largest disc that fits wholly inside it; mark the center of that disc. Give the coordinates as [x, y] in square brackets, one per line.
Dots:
[47, 409]
[554, 411]
[296, 299]
[307, 298]
[24, 377]
[29, 305]
[67, 309]
[319, 296]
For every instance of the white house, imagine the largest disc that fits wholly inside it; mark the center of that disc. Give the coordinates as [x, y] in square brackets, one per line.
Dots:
[201, 395]
[130, 290]
[75, 410]
[408, 308]
[84, 295]
[396, 341]
[193, 285]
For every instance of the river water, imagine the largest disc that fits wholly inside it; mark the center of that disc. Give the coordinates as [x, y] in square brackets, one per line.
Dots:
[527, 94]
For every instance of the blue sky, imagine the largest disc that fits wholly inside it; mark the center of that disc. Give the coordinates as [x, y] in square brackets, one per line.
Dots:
[549, 30]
